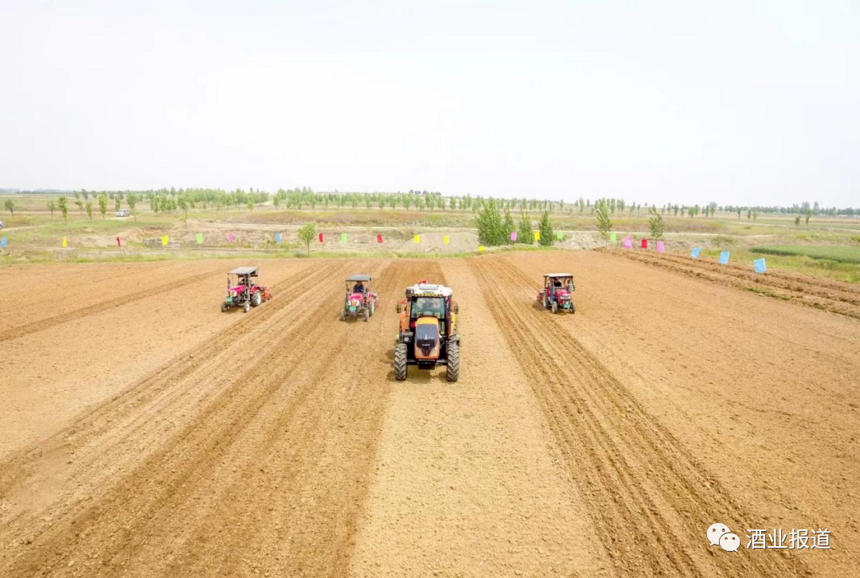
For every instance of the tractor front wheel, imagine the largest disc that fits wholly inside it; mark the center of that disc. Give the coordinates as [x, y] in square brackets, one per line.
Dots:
[572, 308]
[247, 306]
[555, 306]
[366, 315]
[400, 362]
[452, 373]
[223, 306]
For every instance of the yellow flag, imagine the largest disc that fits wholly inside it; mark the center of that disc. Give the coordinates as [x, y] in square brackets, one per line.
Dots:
[65, 244]
[446, 240]
[480, 248]
[417, 239]
[164, 240]
[537, 235]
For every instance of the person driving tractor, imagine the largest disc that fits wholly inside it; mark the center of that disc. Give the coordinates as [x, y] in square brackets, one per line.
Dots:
[358, 287]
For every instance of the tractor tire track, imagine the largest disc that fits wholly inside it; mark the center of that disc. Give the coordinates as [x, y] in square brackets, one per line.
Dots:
[43, 324]
[648, 497]
[833, 296]
[133, 407]
[283, 397]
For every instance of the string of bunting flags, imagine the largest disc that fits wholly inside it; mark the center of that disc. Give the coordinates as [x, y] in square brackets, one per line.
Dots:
[759, 265]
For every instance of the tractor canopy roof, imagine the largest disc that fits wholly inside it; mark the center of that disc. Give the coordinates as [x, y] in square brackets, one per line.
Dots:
[553, 275]
[252, 271]
[428, 290]
[358, 278]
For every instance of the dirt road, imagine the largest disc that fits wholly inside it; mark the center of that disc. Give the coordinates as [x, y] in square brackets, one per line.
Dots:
[144, 433]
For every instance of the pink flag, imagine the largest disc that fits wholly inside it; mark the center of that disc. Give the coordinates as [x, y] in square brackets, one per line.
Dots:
[660, 247]
[231, 237]
[627, 242]
[513, 236]
[379, 238]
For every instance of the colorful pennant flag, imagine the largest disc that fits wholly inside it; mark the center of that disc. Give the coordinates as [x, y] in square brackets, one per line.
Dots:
[514, 236]
[628, 243]
[760, 266]
[321, 237]
[164, 241]
[379, 238]
[278, 238]
[65, 244]
[118, 243]
[480, 248]
[644, 243]
[537, 235]
[446, 240]
[199, 238]
[560, 235]
[417, 239]
[660, 247]
[695, 252]
[3, 241]
[724, 257]
[343, 237]
[613, 238]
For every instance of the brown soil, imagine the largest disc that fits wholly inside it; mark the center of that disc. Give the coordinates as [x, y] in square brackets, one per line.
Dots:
[144, 433]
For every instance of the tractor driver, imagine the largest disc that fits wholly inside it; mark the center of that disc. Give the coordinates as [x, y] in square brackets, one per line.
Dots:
[358, 287]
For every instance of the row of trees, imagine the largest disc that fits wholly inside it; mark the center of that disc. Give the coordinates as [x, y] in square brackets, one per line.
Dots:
[496, 227]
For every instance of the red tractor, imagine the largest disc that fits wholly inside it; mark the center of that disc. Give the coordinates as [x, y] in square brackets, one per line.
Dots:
[556, 292]
[359, 301]
[242, 291]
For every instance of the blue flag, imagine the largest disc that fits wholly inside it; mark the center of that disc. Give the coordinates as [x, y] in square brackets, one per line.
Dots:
[278, 238]
[760, 266]
[724, 257]
[3, 242]
[695, 252]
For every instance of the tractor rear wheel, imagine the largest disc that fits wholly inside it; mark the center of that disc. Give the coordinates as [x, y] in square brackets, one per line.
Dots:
[366, 315]
[342, 315]
[572, 307]
[452, 373]
[544, 300]
[256, 299]
[555, 306]
[223, 306]
[372, 307]
[400, 362]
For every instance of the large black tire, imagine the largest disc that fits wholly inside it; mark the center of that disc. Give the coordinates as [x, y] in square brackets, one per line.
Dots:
[372, 307]
[247, 306]
[256, 299]
[366, 314]
[555, 306]
[572, 307]
[452, 373]
[544, 300]
[342, 315]
[400, 362]
[223, 306]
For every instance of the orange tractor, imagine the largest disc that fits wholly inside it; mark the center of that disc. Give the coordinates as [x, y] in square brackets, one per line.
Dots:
[428, 331]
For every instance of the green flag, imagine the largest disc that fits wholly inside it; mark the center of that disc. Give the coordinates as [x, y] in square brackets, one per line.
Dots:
[343, 237]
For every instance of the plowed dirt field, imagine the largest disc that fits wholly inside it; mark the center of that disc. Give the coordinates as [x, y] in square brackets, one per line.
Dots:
[145, 433]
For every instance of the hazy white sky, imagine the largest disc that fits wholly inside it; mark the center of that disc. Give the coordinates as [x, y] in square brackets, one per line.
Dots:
[734, 101]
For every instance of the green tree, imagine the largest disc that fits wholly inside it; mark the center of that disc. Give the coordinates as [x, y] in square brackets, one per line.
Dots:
[307, 234]
[808, 214]
[64, 208]
[604, 223]
[183, 204]
[103, 204]
[80, 204]
[509, 226]
[116, 203]
[797, 221]
[52, 206]
[9, 206]
[89, 207]
[524, 230]
[739, 213]
[655, 223]
[489, 224]
[547, 236]
[132, 202]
